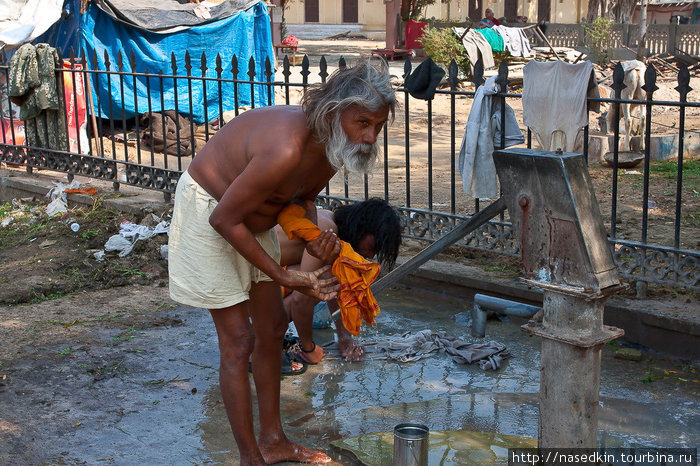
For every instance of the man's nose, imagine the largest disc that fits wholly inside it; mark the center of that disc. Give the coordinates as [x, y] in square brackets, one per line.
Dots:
[369, 137]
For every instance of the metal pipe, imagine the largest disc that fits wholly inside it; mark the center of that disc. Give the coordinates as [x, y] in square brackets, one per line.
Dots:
[484, 304]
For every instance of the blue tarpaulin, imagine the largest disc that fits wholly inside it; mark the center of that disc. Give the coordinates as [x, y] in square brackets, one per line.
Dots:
[245, 34]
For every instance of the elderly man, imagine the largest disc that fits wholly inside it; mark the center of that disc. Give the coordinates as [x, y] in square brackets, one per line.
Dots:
[224, 253]
[489, 20]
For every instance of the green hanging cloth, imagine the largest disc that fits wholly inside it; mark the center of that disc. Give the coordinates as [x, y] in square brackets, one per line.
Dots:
[493, 38]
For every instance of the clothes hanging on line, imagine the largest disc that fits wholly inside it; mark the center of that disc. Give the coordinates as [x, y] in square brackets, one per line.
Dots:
[493, 38]
[475, 44]
[514, 40]
[482, 135]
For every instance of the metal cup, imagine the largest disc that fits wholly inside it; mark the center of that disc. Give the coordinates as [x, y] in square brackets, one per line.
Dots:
[411, 444]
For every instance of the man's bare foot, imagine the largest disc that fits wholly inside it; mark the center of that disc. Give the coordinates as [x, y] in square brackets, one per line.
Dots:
[288, 451]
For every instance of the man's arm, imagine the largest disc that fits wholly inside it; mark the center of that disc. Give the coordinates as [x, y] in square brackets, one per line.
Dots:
[247, 193]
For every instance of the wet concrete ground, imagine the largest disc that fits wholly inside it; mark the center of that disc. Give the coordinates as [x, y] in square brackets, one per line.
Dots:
[162, 404]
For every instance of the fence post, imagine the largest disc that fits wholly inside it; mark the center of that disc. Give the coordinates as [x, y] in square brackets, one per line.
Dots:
[672, 38]
[625, 39]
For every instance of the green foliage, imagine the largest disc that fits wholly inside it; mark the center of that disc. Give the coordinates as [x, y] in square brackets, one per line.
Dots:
[669, 169]
[442, 45]
[597, 38]
[416, 8]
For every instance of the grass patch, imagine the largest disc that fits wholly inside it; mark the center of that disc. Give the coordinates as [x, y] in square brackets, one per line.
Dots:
[669, 169]
[504, 269]
[129, 272]
[5, 209]
[41, 297]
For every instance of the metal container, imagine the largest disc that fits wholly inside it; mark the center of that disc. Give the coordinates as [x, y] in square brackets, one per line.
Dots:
[411, 444]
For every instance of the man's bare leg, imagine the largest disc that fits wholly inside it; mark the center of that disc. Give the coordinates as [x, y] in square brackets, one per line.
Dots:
[269, 324]
[235, 346]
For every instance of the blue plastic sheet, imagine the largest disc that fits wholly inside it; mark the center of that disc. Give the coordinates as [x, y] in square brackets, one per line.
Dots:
[245, 35]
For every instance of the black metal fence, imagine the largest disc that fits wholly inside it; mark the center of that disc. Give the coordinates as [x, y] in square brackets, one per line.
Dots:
[417, 172]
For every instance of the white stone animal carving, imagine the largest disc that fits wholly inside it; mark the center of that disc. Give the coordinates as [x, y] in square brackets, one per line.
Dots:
[633, 115]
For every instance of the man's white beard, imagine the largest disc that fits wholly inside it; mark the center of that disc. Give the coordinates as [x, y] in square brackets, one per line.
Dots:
[357, 158]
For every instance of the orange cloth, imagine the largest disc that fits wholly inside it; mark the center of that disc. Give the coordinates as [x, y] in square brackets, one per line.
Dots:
[354, 273]
[90, 191]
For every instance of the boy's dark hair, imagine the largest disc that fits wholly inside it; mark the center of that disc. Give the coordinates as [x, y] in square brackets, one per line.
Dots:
[371, 217]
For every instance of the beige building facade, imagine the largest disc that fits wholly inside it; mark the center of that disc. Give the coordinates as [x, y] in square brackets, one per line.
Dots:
[371, 14]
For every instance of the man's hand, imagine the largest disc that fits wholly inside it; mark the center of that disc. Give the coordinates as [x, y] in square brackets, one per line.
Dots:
[310, 283]
[326, 247]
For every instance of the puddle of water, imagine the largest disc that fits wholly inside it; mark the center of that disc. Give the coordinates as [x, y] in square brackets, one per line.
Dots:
[345, 400]
[133, 419]
[449, 447]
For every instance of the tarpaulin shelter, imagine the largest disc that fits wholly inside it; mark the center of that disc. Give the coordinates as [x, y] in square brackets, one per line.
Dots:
[158, 34]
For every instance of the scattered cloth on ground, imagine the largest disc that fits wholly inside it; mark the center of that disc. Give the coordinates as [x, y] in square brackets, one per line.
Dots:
[514, 40]
[130, 233]
[482, 134]
[32, 86]
[167, 132]
[476, 44]
[494, 39]
[554, 101]
[59, 198]
[409, 347]
[423, 81]
[354, 273]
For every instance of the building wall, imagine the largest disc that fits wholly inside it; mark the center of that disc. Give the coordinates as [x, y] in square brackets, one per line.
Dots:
[562, 11]
[372, 13]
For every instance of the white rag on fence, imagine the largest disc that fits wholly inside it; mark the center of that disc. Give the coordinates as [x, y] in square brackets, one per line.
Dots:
[483, 133]
[555, 107]
[409, 347]
[129, 234]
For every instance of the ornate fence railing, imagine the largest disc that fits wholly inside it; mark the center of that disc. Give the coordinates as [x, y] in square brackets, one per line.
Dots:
[660, 38]
[417, 171]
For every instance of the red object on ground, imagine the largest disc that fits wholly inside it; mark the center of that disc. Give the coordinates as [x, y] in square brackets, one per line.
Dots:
[414, 30]
[290, 41]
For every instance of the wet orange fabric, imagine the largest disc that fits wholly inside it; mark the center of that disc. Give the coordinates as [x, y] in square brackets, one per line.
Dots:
[354, 273]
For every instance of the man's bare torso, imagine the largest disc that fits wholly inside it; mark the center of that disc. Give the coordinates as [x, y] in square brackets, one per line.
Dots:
[264, 133]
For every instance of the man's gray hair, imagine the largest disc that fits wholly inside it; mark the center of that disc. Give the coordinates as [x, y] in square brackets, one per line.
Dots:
[364, 84]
